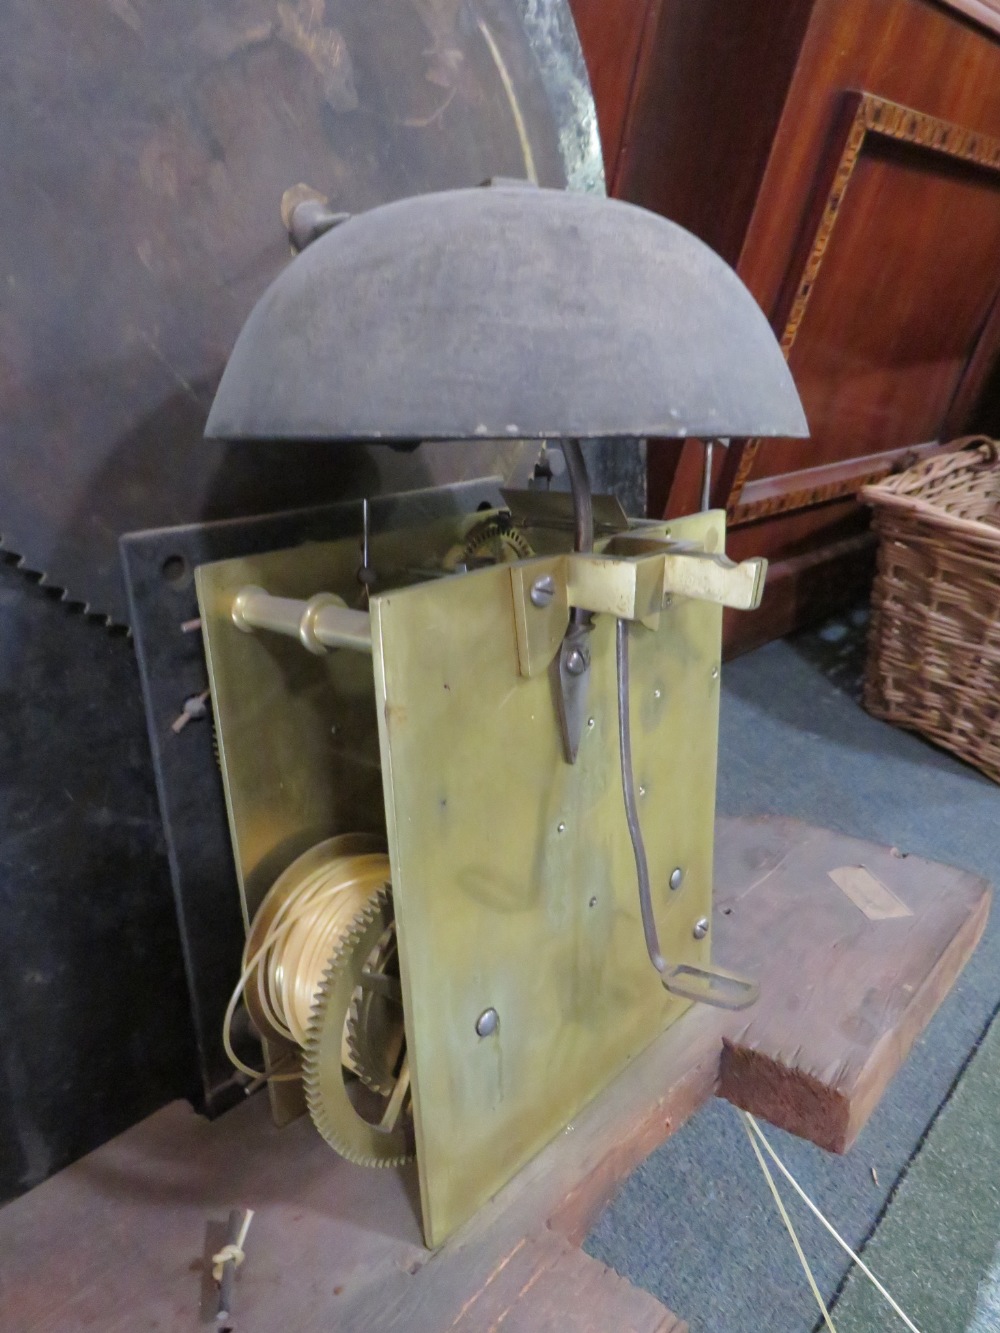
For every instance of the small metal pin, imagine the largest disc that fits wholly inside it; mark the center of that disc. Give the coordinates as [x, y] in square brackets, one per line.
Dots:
[576, 662]
[642, 791]
[542, 591]
[194, 707]
[700, 928]
[560, 828]
[226, 1262]
[676, 877]
[590, 722]
[366, 573]
[593, 902]
[487, 1022]
[657, 694]
[715, 673]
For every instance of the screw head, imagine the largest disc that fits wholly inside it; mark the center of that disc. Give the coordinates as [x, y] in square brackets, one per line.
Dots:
[487, 1022]
[715, 673]
[657, 694]
[560, 828]
[542, 591]
[642, 791]
[590, 722]
[576, 662]
[676, 877]
[593, 902]
[700, 928]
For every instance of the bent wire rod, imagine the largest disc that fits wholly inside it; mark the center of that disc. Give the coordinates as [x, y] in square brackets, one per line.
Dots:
[724, 990]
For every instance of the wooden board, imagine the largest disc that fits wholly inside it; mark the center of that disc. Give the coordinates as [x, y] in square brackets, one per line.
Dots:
[122, 1239]
[894, 932]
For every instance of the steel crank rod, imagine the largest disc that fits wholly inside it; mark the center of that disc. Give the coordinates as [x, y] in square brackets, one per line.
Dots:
[723, 990]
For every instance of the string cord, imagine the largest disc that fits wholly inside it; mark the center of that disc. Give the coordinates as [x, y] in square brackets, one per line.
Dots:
[789, 1228]
[749, 1119]
[232, 1253]
[287, 967]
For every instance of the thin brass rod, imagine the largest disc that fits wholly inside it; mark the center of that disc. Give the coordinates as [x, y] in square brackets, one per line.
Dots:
[321, 623]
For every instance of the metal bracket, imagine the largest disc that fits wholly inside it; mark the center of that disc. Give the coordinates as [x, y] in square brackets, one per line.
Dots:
[625, 582]
[541, 612]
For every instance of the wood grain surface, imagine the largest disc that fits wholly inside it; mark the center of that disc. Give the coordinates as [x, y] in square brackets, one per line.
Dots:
[742, 125]
[123, 1238]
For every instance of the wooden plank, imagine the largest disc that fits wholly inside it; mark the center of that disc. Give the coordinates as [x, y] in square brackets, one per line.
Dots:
[809, 487]
[119, 1239]
[801, 589]
[548, 1278]
[804, 1059]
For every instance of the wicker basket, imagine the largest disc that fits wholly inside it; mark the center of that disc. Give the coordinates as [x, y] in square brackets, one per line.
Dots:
[934, 647]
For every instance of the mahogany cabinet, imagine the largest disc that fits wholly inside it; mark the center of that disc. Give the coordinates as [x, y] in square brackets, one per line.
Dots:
[844, 156]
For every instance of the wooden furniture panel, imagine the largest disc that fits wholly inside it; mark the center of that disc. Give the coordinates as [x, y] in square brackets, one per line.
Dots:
[881, 321]
[613, 35]
[706, 106]
[842, 154]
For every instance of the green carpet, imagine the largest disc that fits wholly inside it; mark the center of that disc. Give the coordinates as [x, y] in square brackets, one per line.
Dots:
[936, 1248]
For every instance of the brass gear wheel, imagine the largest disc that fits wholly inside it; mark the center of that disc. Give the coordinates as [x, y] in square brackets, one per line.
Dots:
[384, 1139]
[491, 541]
[375, 1032]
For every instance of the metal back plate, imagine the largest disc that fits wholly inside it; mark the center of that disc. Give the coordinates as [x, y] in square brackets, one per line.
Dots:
[513, 878]
[297, 734]
[458, 757]
[158, 568]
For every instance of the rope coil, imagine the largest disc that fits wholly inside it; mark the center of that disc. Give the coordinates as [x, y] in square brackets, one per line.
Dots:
[296, 931]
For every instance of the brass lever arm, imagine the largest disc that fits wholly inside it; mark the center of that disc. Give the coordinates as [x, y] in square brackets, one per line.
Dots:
[715, 578]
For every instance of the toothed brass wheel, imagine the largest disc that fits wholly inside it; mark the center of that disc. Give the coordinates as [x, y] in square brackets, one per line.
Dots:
[491, 541]
[375, 1033]
[361, 1124]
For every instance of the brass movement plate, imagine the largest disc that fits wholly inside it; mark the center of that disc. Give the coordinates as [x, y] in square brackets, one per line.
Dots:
[297, 734]
[513, 879]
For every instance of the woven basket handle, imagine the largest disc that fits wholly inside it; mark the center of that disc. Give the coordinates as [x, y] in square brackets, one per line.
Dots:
[990, 449]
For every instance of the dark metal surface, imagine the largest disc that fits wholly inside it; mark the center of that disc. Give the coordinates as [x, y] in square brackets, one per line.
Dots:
[159, 569]
[94, 1027]
[145, 150]
[505, 312]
